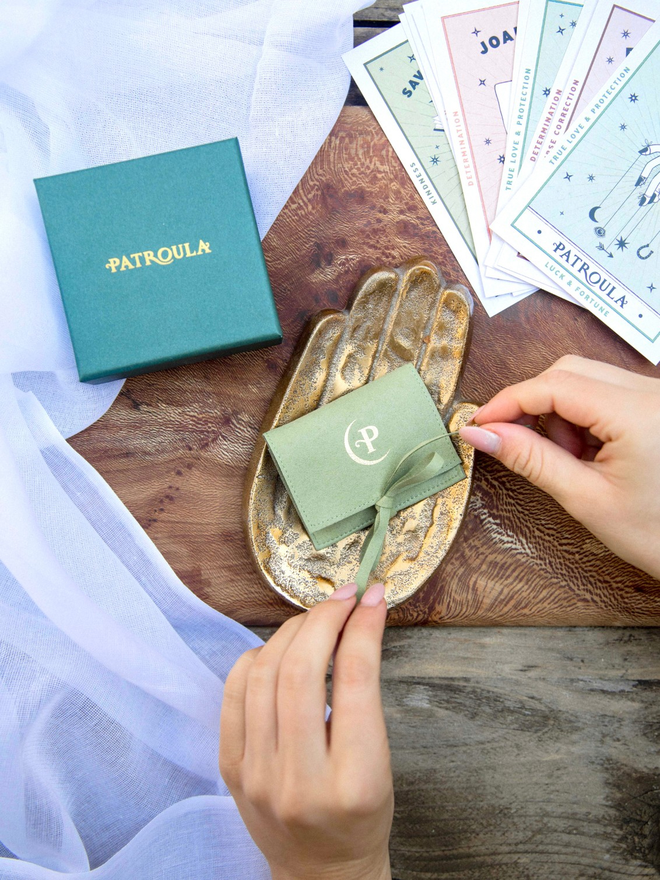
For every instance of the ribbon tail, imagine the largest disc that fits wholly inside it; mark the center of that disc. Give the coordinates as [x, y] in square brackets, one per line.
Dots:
[374, 542]
[371, 550]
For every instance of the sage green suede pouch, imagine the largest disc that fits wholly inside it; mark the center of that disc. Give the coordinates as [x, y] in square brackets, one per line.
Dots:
[382, 446]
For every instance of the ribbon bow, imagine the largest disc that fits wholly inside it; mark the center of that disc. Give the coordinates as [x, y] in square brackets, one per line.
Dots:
[432, 465]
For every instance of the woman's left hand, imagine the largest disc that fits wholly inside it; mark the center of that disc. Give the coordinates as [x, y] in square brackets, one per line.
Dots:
[316, 796]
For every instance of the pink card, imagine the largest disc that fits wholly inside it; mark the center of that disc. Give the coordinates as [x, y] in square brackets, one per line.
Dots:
[475, 47]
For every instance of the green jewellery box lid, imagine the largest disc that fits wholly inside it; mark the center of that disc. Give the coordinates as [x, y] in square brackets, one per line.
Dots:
[159, 261]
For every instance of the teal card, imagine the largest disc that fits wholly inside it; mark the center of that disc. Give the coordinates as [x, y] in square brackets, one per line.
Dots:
[338, 461]
[159, 261]
[591, 222]
[559, 19]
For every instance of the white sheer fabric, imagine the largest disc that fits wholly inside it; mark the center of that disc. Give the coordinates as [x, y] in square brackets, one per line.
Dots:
[111, 671]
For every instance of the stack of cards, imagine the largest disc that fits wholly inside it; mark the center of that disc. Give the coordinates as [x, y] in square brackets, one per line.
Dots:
[531, 130]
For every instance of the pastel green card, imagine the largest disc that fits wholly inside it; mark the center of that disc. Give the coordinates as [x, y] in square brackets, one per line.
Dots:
[338, 461]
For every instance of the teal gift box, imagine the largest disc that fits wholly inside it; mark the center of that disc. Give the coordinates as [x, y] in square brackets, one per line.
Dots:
[159, 261]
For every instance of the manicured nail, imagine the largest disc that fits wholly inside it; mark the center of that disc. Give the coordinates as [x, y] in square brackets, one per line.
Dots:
[474, 416]
[373, 596]
[481, 439]
[345, 592]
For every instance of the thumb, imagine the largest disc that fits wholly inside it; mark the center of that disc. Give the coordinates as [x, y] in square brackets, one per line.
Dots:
[569, 480]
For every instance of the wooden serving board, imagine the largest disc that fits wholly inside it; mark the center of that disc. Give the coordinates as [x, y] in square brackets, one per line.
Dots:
[175, 445]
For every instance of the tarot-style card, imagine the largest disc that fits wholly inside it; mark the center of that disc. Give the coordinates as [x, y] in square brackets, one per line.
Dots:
[551, 26]
[414, 27]
[549, 94]
[543, 38]
[593, 223]
[613, 33]
[387, 73]
[414, 23]
[475, 54]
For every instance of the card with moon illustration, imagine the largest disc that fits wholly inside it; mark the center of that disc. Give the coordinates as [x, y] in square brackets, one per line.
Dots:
[611, 33]
[593, 223]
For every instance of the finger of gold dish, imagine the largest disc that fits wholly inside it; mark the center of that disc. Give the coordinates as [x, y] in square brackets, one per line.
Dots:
[306, 381]
[354, 356]
[404, 342]
[442, 361]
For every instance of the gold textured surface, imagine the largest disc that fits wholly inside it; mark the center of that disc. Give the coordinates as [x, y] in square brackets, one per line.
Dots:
[397, 316]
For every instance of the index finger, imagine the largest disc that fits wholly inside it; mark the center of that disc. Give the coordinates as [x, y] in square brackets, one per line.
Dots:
[605, 372]
[301, 688]
[582, 400]
[357, 723]
[352, 361]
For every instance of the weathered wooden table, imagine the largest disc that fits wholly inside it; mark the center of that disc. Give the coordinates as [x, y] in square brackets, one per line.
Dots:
[518, 752]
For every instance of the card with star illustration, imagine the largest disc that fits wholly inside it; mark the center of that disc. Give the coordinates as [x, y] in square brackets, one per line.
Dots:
[546, 30]
[552, 25]
[414, 25]
[417, 31]
[611, 34]
[474, 51]
[388, 74]
[592, 223]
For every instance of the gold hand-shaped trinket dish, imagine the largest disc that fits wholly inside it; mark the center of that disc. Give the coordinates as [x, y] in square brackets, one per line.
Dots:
[397, 317]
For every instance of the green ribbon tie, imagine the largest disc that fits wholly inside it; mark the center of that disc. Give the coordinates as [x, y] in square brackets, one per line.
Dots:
[432, 465]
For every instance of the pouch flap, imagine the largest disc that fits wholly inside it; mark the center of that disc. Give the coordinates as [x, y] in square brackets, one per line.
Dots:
[337, 461]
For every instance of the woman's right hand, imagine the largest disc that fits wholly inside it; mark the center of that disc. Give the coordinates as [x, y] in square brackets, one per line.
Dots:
[601, 458]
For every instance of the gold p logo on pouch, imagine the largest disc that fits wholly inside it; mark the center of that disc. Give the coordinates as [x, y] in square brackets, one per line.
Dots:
[369, 435]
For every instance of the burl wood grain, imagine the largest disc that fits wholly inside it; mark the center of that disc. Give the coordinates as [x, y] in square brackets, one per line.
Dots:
[175, 445]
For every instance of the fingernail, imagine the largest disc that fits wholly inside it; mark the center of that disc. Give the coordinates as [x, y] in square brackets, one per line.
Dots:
[481, 439]
[474, 416]
[345, 592]
[374, 595]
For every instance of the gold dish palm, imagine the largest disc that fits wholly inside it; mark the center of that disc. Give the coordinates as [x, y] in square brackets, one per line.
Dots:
[397, 316]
